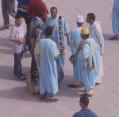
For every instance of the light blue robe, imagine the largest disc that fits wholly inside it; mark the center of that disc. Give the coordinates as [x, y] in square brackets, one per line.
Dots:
[97, 36]
[48, 68]
[54, 23]
[88, 77]
[75, 39]
[115, 17]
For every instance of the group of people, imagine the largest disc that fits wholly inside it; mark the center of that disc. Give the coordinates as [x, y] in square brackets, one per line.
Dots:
[45, 37]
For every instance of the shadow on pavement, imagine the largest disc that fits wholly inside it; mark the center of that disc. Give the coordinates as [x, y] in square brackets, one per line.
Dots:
[66, 91]
[6, 72]
[21, 92]
[18, 93]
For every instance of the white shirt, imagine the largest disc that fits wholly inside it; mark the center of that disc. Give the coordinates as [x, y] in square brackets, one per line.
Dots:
[19, 33]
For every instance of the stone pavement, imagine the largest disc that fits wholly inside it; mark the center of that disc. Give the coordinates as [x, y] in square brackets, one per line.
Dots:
[15, 101]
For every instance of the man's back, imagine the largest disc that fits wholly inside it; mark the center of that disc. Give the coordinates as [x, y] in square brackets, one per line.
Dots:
[85, 113]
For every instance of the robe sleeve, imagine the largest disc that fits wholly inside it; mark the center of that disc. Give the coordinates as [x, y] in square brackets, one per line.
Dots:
[66, 29]
[86, 55]
[56, 51]
[72, 44]
[86, 51]
[99, 35]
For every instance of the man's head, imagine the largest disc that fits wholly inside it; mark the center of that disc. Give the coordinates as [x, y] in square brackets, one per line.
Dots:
[85, 33]
[79, 20]
[90, 18]
[53, 11]
[48, 31]
[84, 101]
[18, 20]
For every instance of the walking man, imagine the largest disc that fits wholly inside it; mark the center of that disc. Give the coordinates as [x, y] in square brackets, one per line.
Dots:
[48, 78]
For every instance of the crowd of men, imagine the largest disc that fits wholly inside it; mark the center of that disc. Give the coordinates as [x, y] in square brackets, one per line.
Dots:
[45, 37]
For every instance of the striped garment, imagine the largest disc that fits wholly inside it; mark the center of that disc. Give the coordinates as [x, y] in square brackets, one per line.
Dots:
[85, 113]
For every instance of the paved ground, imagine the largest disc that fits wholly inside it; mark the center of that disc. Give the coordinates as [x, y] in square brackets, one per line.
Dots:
[15, 101]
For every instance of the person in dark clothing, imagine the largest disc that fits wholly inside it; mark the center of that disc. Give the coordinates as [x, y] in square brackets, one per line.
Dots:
[85, 111]
[8, 8]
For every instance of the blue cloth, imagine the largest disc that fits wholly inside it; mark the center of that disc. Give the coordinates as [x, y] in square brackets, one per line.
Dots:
[48, 68]
[23, 2]
[115, 17]
[75, 39]
[85, 113]
[88, 58]
[55, 24]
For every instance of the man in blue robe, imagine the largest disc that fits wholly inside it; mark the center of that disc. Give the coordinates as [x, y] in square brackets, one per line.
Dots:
[115, 20]
[53, 21]
[88, 62]
[48, 77]
[75, 39]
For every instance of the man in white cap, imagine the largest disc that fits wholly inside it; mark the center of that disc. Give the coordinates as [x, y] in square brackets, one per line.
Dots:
[75, 39]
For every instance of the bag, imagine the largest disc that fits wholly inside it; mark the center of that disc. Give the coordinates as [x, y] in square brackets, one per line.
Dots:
[32, 84]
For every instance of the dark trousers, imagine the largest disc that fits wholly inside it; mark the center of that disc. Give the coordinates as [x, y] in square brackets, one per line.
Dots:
[8, 8]
[33, 65]
[17, 64]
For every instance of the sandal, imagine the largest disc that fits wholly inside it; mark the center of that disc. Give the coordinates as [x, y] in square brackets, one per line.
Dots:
[51, 100]
[73, 86]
